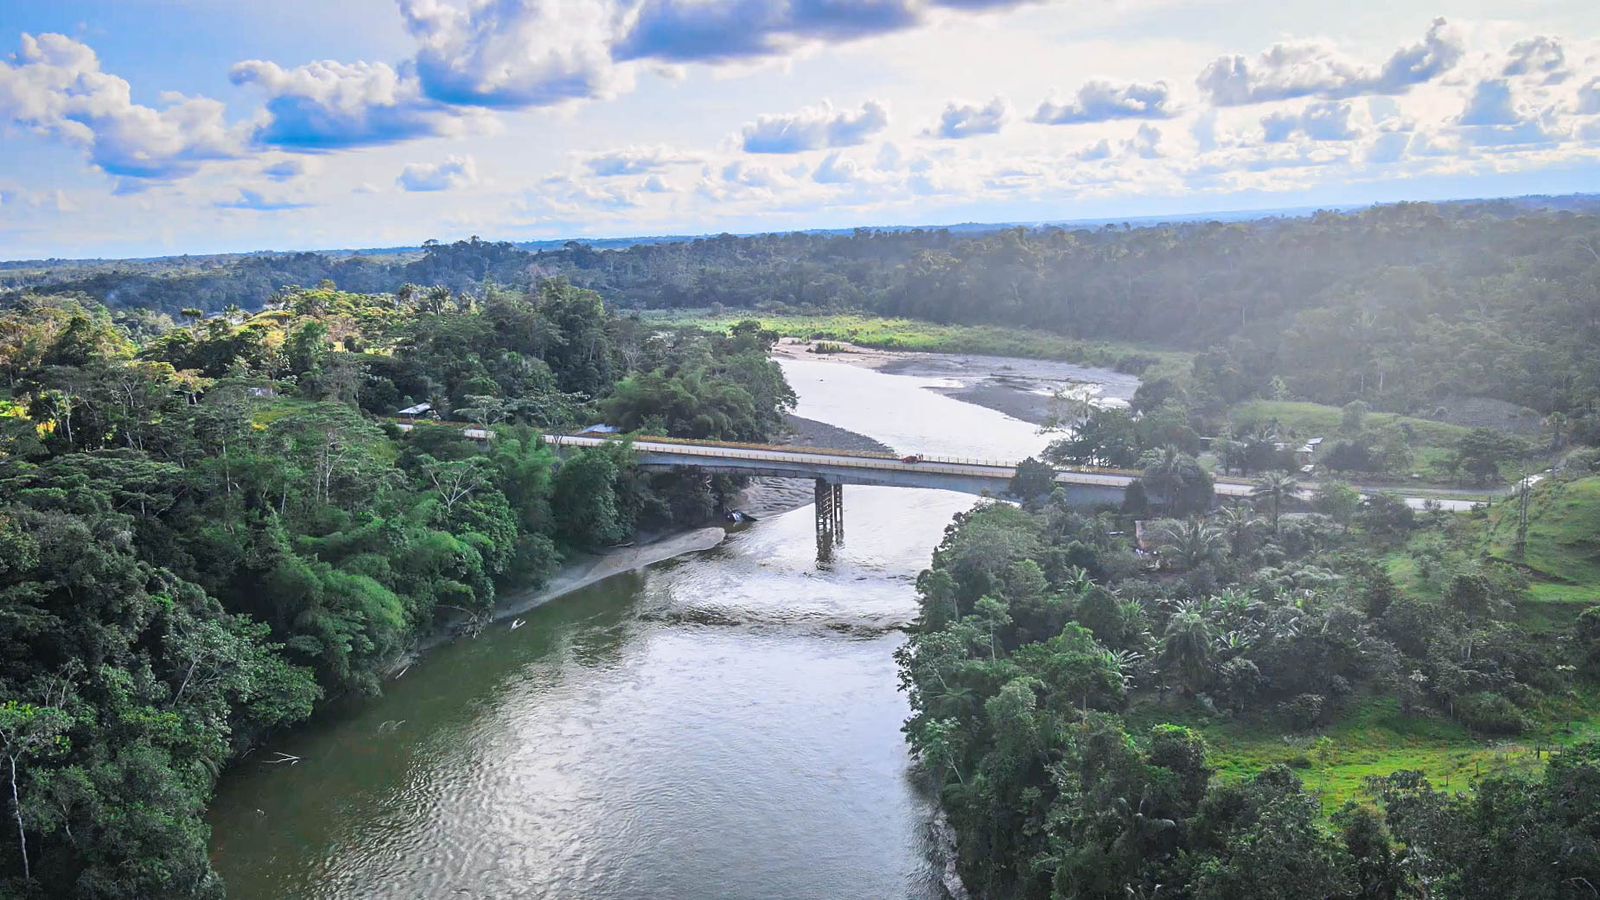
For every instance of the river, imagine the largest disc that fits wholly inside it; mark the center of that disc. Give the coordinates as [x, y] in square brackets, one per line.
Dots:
[723, 725]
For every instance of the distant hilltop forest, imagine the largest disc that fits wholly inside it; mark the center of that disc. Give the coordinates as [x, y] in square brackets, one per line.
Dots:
[1402, 306]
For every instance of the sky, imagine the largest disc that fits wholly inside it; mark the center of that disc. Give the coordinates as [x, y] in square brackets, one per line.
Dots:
[140, 128]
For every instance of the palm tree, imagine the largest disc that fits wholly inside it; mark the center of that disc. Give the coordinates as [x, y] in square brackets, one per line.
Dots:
[1168, 479]
[1276, 487]
[1239, 523]
[1186, 647]
[1258, 446]
[1190, 543]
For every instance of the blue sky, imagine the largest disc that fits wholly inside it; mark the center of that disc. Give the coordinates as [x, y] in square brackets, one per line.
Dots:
[135, 127]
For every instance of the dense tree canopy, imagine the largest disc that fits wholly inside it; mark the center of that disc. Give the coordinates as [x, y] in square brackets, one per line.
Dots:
[1404, 306]
[1045, 629]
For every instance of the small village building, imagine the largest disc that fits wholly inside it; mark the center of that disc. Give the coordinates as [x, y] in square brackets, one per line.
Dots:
[419, 411]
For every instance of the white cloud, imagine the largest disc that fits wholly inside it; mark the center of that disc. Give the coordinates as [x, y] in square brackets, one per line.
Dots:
[1144, 144]
[753, 175]
[723, 30]
[254, 201]
[963, 120]
[287, 168]
[837, 168]
[814, 128]
[1589, 97]
[635, 160]
[56, 86]
[514, 53]
[1490, 104]
[1325, 121]
[1318, 69]
[1102, 101]
[1538, 56]
[328, 105]
[454, 172]
[1492, 118]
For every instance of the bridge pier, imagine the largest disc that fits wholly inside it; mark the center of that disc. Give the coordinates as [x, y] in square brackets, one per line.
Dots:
[829, 503]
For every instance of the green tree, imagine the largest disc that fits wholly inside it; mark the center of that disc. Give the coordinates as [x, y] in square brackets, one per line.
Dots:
[27, 732]
[1481, 452]
[1276, 489]
[1177, 483]
[585, 497]
[1189, 543]
[1186, 648]
[1339, 502]
[1034, 480]
[1277, 848]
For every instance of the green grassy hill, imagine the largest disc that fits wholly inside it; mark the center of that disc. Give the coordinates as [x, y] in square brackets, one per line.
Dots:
[1563, 553]
[1308, 420]
[1432, 442]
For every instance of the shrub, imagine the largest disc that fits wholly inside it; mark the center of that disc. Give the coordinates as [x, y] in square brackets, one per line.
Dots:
[1238, 681]
[1303, 711]
[1586, 638]
[1491, 713]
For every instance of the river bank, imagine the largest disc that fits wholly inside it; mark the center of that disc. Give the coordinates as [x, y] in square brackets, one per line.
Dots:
[577, 573]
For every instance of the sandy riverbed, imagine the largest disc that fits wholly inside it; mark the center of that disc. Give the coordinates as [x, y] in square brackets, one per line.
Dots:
[1025, 389]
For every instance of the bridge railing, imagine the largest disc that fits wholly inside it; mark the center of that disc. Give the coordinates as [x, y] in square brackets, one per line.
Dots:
[800, 455]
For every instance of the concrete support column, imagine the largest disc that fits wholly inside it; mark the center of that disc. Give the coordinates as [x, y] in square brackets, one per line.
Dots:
[829, 503]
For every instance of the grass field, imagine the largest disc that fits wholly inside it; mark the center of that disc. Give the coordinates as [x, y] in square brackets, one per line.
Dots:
[1376, 739]
[910, 334]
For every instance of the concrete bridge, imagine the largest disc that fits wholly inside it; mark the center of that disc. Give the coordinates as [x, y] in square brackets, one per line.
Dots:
[832, 469]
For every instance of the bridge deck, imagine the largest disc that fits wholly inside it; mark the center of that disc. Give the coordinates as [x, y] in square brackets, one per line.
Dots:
[865, 468]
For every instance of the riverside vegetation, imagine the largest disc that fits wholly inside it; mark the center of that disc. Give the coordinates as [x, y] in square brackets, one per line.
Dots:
[1244, 703]
[205, 530]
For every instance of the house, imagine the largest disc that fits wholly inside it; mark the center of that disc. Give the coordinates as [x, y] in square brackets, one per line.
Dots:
[416, 412]
[1308, 451]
